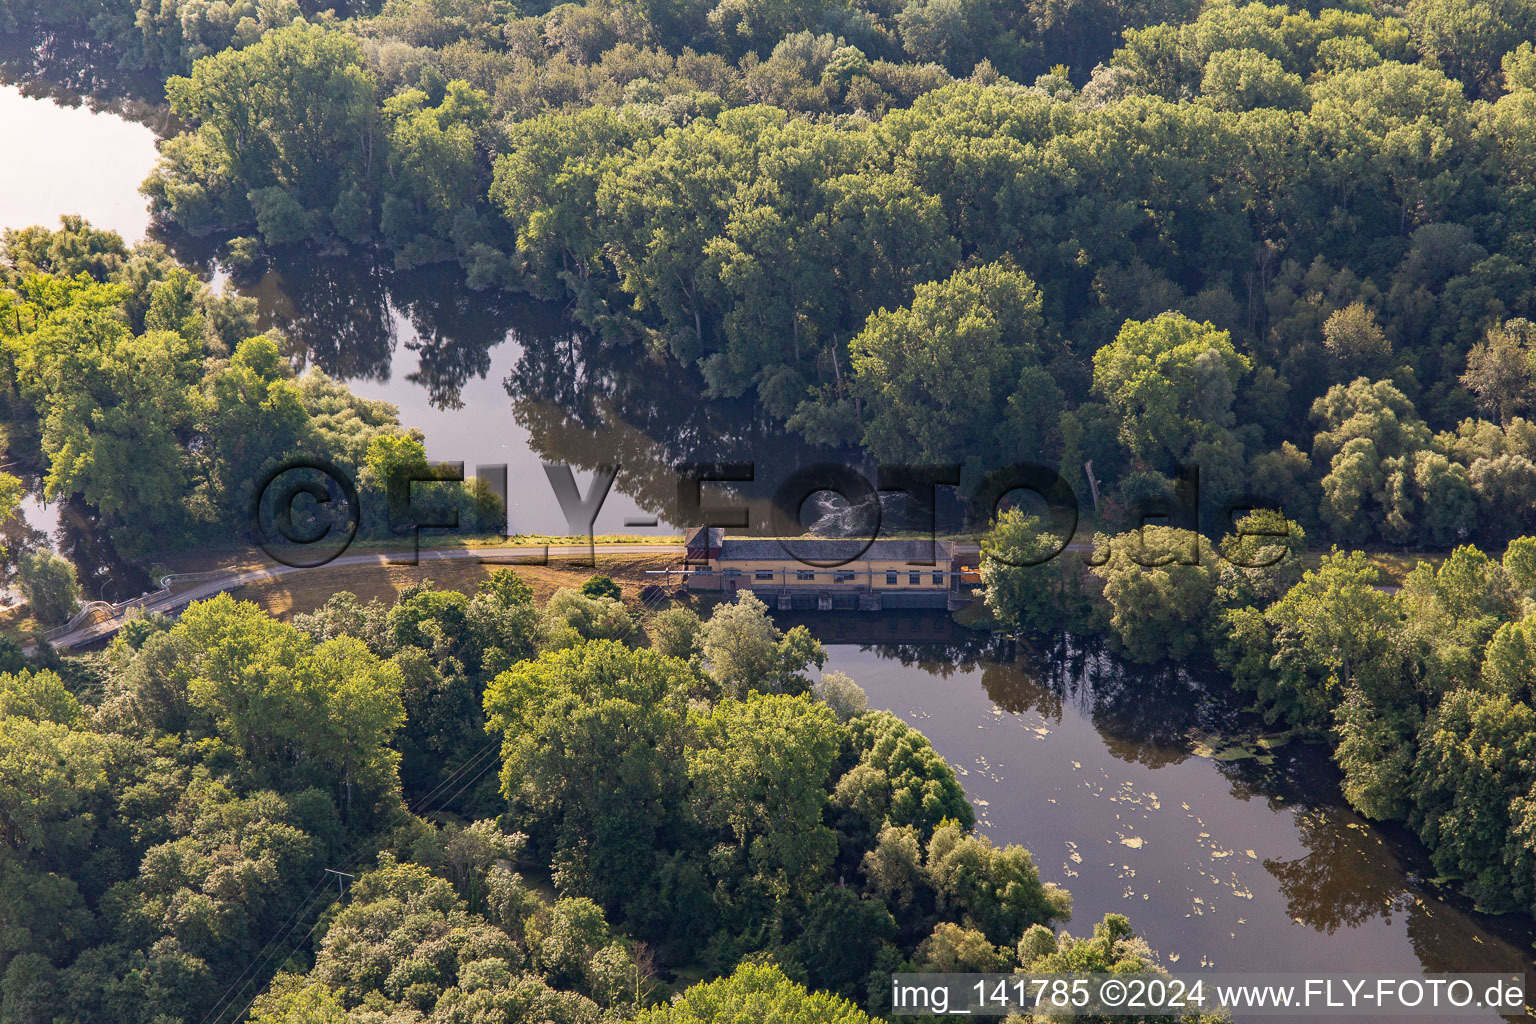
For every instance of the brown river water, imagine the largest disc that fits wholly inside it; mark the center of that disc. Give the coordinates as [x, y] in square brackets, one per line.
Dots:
[1122, 781]
[1111, 775]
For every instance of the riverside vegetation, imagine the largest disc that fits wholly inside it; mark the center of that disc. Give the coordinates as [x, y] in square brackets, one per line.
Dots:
[671, 805]
[953, 231]
[1292, 246]
[128, 384]
[1424, 693]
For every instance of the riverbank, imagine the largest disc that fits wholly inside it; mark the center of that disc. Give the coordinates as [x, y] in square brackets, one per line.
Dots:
[365, 570]
[1109, 773]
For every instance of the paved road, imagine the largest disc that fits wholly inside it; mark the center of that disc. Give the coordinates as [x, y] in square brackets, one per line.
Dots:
[100, 628]
[97, 629]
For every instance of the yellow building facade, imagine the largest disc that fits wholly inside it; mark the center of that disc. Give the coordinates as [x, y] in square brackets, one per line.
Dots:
[825, 572]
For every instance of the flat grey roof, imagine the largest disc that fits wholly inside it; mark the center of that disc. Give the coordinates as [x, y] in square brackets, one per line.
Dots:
[829, 549]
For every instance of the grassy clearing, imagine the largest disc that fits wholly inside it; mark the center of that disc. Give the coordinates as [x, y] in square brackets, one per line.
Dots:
[308, 590]
[18, 624]
[243, 557]
[1394, 566]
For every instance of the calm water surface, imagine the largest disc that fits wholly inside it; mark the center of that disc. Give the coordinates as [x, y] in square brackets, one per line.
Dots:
[1221, 865]
[1231, 865]
[490, 379]
[61, 159]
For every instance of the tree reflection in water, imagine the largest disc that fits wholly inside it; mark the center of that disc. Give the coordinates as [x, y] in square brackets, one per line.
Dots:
[589, 404]
[930, 640]
[455, 328]
[72, 69]
[1353, 873]
[335, 312]
[1466, 942]
[1144, 714]
[1349, 875]
[583, 403]
[345, 312]
[104, 574]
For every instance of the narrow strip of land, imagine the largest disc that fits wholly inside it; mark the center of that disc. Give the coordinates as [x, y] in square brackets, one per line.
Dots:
[176, 598]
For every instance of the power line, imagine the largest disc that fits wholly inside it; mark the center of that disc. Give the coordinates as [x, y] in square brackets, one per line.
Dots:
[341, 885]
[247, 1008]
[261, 959]
[427, 798]
[474, 779]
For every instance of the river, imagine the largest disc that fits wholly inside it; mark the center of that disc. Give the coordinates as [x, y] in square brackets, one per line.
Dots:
[490, 379]
[1105, 772]
[90, 162]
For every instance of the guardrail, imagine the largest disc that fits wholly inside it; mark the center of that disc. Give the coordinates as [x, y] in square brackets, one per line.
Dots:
[92, 608]
[86, 610]
[171, 578]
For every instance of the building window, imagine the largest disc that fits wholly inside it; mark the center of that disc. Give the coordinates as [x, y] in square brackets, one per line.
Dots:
[805, 575]
[915, 578]
[764, 574]
[938, 579]
[890, 579]
[843, 576]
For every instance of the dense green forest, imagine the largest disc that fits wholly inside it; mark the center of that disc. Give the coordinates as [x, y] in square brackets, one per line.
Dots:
[675, 800]
[673, 803]
[1291, 246]
[127, 382]
[948, 230]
